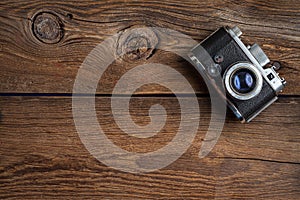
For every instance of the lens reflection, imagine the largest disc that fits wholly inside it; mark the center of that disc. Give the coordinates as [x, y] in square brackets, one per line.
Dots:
[243, 81]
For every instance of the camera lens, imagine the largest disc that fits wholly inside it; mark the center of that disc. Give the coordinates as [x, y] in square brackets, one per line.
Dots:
[243, 81]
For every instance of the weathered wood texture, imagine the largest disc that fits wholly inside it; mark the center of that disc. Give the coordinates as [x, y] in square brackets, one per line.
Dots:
[42, 155]
[29, 65]
[42, 45]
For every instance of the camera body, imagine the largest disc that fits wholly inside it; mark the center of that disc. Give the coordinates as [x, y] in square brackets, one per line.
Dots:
[250, 86]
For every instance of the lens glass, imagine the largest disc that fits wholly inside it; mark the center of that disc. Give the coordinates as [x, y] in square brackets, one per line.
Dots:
[243, 81]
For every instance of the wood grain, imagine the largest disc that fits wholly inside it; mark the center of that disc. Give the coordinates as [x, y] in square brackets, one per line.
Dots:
[30, 66]
[42, 46]
[43, 157]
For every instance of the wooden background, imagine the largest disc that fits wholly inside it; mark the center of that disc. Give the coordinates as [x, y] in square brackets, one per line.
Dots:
[42, 45]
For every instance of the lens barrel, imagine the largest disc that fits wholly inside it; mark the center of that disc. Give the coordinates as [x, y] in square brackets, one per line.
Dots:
[243, 81]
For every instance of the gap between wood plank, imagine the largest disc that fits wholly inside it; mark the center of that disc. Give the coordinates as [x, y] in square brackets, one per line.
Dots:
[256, 159]
[117, 95]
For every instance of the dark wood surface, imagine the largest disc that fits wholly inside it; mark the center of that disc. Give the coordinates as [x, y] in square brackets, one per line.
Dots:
[41, 155]
[32, 66]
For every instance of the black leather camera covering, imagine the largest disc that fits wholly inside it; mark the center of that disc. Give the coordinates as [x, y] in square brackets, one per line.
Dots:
[221, 43]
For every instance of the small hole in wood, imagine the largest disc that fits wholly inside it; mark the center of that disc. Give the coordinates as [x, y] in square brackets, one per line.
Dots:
[70, 16]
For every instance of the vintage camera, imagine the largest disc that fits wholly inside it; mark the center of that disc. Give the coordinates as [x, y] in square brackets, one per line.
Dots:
[248, 78]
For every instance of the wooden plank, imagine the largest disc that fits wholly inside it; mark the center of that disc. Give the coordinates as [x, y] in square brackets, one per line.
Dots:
[256, 180]
[31, 65]
[43, 157]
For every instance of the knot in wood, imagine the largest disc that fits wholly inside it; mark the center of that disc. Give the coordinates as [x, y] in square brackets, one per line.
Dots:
[136, 44]
[47, 28]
